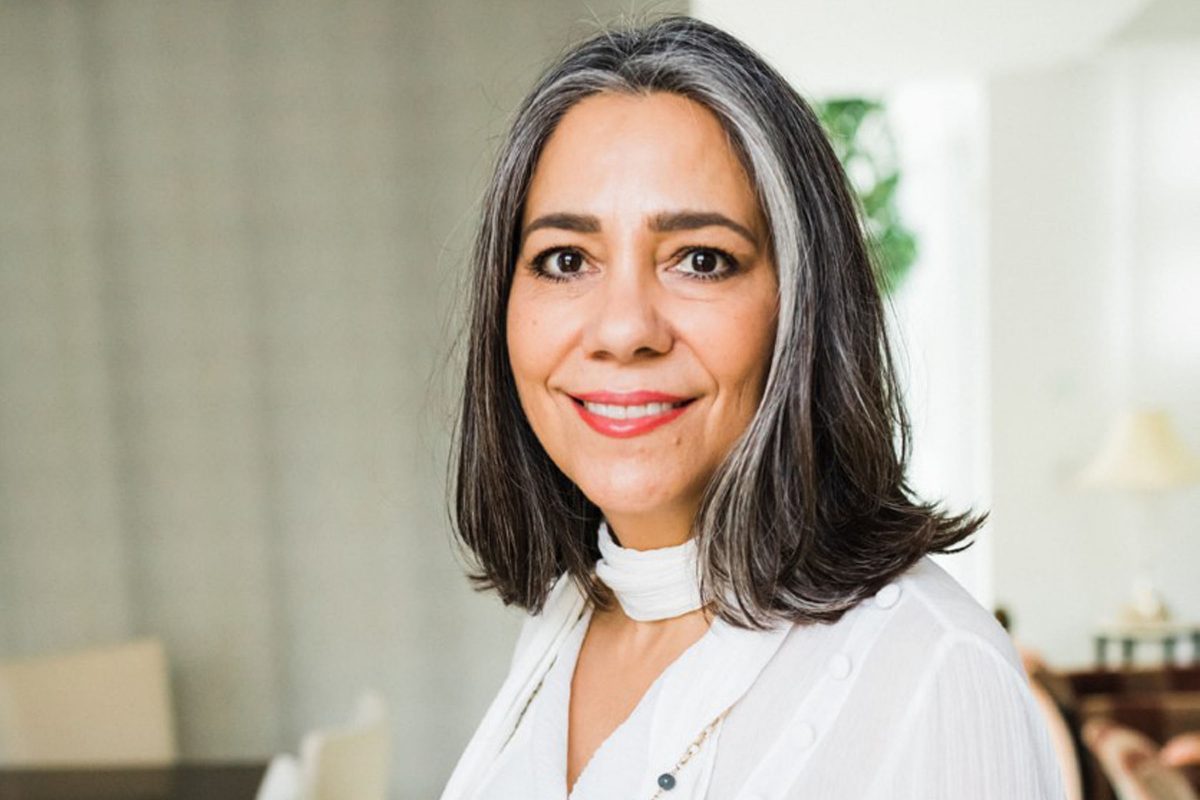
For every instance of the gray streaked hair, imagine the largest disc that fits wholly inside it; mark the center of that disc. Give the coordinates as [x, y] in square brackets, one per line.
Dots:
[811, 510]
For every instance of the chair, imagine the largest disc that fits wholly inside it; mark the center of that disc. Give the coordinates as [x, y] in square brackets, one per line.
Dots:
[1182, 751]
[104, 706]
[1131, 761]
[345, 763]
[1066, 749]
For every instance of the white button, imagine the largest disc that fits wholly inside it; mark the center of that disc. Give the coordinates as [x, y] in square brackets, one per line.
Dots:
[804, 735]
[839, 665]
[888, 595]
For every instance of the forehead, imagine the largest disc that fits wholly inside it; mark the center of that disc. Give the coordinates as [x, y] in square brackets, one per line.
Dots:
[618, 154]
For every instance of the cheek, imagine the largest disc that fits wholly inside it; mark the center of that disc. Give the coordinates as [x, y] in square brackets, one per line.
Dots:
[739, 353]
[524, 332]
[537, 344]
[759, 331]
[764, 345]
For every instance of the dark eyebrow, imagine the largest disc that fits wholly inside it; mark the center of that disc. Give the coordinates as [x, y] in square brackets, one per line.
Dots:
[662, 222]
[580, 223]
[691, 220]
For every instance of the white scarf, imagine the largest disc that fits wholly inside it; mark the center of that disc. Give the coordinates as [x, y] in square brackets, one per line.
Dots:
[650, 584]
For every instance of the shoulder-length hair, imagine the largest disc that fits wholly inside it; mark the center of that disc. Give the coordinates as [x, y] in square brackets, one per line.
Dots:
[810, 512]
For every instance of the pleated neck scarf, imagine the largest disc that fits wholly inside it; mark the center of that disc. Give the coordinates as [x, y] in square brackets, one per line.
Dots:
[650, 584]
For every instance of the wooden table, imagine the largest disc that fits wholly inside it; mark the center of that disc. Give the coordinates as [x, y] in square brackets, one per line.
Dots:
[190, 781]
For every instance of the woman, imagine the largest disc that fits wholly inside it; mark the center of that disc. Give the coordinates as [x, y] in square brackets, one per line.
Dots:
[678, 452]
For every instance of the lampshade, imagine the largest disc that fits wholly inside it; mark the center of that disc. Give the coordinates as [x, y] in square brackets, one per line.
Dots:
[1141, 452]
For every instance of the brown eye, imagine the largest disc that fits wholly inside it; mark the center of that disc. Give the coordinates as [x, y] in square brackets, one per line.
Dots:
[703, 261]
[707, 263]
[568, 261]
[558, 263]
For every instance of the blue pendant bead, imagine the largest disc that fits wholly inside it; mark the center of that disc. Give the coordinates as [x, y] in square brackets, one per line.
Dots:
[666, 781]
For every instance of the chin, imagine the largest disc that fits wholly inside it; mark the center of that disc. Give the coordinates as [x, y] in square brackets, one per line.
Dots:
[632, 491]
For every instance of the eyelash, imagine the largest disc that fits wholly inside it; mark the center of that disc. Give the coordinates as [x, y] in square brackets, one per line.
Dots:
[537, 264]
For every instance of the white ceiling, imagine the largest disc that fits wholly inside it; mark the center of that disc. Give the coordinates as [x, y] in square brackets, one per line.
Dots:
[826, 46]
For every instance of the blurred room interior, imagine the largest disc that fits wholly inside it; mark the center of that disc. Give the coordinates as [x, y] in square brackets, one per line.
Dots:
[232, 237]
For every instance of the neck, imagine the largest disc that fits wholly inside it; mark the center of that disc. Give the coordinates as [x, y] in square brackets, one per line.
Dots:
[634, 636]
[651, 530]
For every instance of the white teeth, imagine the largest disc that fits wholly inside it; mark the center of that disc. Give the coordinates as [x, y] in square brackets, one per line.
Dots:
[629, 412]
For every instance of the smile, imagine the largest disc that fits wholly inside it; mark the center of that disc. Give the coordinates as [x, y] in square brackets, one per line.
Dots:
[628, 414]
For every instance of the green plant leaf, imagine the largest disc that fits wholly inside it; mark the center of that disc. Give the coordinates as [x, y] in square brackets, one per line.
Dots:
[858, 131]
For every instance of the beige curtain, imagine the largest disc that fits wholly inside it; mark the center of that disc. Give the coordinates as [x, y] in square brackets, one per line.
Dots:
[231, 236]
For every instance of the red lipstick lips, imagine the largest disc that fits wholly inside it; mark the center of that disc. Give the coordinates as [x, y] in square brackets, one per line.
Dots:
[625, 414]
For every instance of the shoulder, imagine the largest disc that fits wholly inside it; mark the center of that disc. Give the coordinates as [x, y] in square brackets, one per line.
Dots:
[881, 655]
[922, 645]
[969, 726]
[933, 607]
[905, 633]
[919, 680]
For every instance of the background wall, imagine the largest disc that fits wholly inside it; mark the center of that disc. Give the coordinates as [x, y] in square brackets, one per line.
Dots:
[231, 235]
[1094, 262]
[940, 320]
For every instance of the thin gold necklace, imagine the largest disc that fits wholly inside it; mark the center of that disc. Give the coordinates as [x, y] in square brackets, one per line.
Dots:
[667, 780]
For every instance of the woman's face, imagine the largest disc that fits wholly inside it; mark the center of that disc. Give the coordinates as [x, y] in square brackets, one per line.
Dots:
[643, 305]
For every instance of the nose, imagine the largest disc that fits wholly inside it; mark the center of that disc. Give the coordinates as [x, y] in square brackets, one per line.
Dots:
[625, 321]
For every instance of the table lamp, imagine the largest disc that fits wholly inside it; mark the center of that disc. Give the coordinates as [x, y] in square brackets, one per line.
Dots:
[1141, 454]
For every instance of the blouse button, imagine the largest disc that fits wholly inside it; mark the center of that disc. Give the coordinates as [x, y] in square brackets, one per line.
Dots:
[805, 735]
[887, 596]
[839, 665]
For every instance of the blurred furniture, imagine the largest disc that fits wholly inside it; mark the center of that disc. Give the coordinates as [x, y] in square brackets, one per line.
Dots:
[1064, 741]
[100, 706]
[215, 781]
[1142, 455]
[336, 763]
[1161, 704]
[1182, 750]
[1131, 762]
[1168, 634]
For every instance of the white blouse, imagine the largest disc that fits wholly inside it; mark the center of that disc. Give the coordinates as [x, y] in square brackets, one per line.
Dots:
[917, 693]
